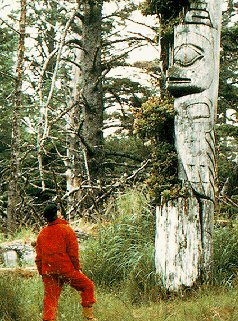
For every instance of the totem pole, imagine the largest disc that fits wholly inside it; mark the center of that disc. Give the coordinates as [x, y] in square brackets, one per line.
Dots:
[184, 232]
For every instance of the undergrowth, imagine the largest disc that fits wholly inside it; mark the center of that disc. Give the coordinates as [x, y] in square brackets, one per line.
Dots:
[122, 256]
[25, 234]
[22, 299]
[120, 261]
[225, 255]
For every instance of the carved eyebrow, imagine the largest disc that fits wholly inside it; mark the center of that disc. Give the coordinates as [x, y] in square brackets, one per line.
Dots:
[187, 54]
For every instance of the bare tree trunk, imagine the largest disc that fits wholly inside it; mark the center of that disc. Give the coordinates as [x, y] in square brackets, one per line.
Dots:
[165, 41]
[85, 120]
[44, 124]
[184, 234]
[91, 92]
[13, 197]
[73, 162]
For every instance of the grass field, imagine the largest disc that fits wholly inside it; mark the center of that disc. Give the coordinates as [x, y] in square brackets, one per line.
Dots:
[21, 299]
[121, 256]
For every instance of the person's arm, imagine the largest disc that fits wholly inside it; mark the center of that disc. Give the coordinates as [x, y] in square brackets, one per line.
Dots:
[73, 249]
[38, 259]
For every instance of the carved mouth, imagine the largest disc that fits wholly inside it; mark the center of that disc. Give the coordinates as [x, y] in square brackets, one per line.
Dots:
[174, 80]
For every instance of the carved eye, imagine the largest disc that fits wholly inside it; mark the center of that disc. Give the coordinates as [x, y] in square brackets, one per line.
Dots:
[187, 55]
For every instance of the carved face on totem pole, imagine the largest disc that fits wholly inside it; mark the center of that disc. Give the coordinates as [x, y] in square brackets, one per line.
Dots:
[190, 79]
[192, 65]
[192, 69]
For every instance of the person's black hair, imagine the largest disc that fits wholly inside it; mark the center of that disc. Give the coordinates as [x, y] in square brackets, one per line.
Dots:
[50, 212]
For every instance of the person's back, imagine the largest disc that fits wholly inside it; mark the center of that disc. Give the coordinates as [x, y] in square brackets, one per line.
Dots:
[57, 247]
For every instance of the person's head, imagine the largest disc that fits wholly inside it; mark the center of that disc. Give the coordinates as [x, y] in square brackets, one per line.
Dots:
[50, 212]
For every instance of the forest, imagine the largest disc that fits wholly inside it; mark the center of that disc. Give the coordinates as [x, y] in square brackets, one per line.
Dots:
[87, 121]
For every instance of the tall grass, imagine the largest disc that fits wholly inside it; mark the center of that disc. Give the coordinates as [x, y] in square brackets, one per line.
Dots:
[25, 234]
[225, 255]
[120, 260]
[22, 300]
[19, 298]
[123, 254]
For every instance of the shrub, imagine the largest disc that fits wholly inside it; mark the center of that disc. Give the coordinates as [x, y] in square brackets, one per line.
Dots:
[154, 123]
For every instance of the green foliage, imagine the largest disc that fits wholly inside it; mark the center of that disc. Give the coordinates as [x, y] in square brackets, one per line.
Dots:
[155, 124]
[155, 120]
[225, 255]
[228, 99]
[123, 260]
[122, 256]
[164, 174]
[166, 9]
[228, 91]
[8, 44]
[122, 155]
[48, 20]
[227, 165]
[227, 134]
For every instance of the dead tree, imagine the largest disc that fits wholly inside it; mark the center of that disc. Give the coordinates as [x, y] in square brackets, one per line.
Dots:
[13, 194]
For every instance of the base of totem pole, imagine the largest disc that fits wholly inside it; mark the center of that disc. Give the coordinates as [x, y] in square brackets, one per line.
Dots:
[183, 244]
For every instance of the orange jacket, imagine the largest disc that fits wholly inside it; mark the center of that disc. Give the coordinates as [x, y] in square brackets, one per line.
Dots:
[57, 249]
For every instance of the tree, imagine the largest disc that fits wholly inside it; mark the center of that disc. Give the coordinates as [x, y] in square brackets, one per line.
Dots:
[13, 194]
[7, 79]
[66, 101]
[227, 111]
[86, 143]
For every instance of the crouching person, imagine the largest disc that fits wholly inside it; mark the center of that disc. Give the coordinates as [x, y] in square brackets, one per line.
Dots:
[57, 260]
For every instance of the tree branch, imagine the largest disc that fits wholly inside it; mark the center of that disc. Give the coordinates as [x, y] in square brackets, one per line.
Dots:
[121, 154]
[75, 42]
[9, 26]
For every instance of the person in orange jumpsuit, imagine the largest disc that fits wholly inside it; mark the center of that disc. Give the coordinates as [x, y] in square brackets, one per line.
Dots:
[57, 261]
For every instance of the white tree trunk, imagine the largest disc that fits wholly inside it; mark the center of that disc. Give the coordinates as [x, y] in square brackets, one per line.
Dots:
[13, 194]
[184, 232]
[73, 171]
[91, 92]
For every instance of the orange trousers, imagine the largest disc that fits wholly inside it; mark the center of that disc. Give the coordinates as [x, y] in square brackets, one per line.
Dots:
[53, 285]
